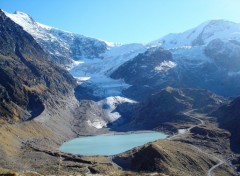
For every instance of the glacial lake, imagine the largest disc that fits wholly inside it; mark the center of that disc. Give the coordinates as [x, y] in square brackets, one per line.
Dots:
[109, 144]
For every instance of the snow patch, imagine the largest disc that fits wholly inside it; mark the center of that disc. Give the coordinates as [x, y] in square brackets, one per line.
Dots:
[109, 105]
[96, 123]
[81, 80]
[182, 131]
[165, 66]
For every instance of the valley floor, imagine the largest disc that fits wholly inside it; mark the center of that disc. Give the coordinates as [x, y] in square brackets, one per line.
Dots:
[198, 151]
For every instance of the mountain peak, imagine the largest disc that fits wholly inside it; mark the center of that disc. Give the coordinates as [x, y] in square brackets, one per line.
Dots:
[27, 22]
[200, 35]
[21, 18]
[20, 13]
[220, 22]
[220, 25]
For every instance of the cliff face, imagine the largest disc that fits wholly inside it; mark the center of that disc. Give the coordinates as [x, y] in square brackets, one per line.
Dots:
[28, 80]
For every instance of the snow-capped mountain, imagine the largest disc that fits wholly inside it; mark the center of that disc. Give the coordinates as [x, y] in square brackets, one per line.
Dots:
[64, 47]
[206, 57]
[88, 60]
[201, 35]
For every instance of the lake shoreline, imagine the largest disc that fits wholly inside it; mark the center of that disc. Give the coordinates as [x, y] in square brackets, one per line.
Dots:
[110, 144]
[122, 133]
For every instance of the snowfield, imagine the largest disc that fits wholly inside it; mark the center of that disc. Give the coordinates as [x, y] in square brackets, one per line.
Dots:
[201, 35]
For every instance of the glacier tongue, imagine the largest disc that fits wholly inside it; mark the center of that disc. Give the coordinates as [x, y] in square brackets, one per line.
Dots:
[95, 72]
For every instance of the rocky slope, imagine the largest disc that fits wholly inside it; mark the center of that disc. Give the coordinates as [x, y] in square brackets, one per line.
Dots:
[146, 72]
[29, 80]
[165, 109]
[146, 68]
[167, 157]
[228, 118]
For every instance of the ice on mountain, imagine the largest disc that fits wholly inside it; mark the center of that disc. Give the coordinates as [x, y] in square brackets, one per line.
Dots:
[200, 35]
[165, 66]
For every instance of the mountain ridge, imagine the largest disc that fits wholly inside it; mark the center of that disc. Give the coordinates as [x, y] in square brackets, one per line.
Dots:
[201, 34]
[63, 51]
[28, 77]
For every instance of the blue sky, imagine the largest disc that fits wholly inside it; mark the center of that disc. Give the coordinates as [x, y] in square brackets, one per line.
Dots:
[125, 21]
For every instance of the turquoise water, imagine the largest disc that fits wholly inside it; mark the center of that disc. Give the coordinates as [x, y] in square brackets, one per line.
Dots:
[109, 144]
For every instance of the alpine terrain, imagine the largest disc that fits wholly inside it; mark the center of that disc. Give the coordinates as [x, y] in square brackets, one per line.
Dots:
[57, 85]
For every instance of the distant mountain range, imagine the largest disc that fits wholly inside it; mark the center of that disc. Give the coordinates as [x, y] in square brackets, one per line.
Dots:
[205, 57]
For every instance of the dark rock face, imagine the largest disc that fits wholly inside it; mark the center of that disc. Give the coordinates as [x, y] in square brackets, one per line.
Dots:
[169, 104]
[228, 118]
[142, 69]
[147, 73]
[163, 106]
[211, 133]
[28, 79]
